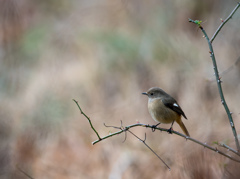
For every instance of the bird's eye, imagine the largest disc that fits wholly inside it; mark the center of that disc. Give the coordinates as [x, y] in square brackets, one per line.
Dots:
[151, 94]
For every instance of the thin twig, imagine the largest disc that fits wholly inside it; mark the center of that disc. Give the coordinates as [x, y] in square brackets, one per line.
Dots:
[218, 79]
[224, 22]
[229, 68]
[229, 148]
[205, 145]
[24, 172]
[99, 138]
[124, 129]
[143, 141]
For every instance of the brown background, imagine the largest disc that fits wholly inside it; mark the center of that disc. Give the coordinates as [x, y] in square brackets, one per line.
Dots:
[105, 54]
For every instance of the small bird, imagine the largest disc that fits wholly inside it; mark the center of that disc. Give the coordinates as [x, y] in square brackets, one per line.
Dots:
[164, 109]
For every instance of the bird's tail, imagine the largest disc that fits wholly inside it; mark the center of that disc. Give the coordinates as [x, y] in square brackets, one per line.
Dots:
[180, 123]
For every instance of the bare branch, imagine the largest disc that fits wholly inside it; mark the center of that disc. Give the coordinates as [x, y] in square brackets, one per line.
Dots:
[205, 145]
[218, 79]
[229, 68]
[144, 142]
[99, 138]
[229, 148]
[224, 22]
[125, 129]
[121, 130]
[24, 172]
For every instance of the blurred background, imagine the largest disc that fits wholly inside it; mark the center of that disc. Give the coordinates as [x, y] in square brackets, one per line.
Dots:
[105, 54]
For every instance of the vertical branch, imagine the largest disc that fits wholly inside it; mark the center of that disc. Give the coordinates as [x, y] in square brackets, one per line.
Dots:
[218, 79]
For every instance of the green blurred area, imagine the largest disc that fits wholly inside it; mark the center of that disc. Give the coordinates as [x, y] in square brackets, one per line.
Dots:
[105, 54]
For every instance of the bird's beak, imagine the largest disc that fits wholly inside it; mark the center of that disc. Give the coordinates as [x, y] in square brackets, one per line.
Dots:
[145, 93]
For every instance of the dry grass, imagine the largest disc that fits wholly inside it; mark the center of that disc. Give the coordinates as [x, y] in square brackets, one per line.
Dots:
[104, 54]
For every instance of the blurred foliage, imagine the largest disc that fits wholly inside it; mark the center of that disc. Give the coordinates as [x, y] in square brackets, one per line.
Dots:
[47, 116]
[33, 41]
[104, 54]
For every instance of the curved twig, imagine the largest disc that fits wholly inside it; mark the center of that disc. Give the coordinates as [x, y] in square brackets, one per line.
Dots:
[99, 138]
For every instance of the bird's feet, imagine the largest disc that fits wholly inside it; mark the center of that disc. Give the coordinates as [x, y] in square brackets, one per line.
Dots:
[170, 130]
[154, 127]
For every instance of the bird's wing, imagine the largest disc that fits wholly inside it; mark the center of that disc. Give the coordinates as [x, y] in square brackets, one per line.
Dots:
[172, 104]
